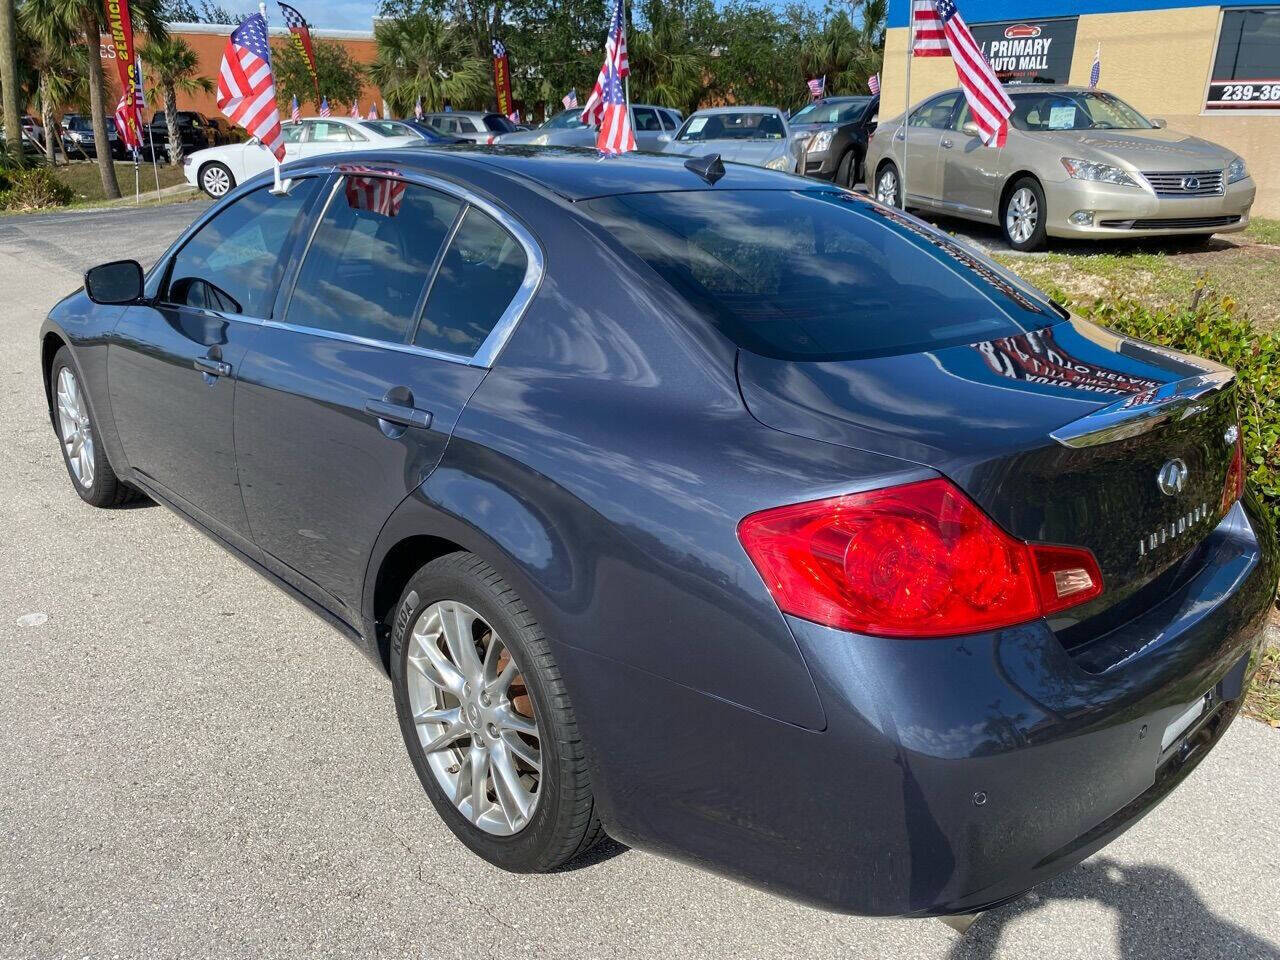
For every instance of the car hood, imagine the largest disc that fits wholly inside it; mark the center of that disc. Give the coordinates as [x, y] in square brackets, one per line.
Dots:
[757, 152]
[1144, 149]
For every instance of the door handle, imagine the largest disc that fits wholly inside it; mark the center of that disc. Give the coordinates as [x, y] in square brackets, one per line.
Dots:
[214, 368]
[947, 144]
[399, 413]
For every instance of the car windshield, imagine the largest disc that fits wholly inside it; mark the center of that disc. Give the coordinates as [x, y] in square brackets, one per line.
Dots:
[732, 126]
[819, 275]
[840, 112]
[78, 123]
[1083, 110]
[389, 128]
[565, 120]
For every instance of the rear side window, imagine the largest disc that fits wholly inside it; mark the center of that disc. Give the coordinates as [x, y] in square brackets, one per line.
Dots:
[480, 275]
[371, 257]
[233, 263]
[817, 275]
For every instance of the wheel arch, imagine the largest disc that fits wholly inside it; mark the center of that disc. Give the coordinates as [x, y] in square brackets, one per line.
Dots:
[1007, 189]
[399, 562]
[50, 344]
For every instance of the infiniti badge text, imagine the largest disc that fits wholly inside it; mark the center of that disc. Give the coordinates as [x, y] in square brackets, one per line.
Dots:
[1172, 530]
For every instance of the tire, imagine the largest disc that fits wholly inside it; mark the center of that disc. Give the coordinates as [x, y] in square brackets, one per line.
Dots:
[216, 179]
[561, 822]
[84, 458]
[846, 171]
[1022, 215]
[888, 188]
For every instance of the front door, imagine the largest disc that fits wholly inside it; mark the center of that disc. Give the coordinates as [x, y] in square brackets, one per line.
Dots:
[647, 128]
[172, 364]
[972, 172]
[345, 409]
[923, 171]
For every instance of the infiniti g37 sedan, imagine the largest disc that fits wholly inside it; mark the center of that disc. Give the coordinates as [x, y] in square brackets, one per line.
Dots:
[741, 517]
[1077, 163]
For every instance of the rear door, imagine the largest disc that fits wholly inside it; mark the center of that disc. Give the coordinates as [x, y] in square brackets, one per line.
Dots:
[346, 406]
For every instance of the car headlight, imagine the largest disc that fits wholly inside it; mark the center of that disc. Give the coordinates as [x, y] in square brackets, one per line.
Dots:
[821, 141]
[1236, 170]
[539, 141]
[1097, 172]
[75, 137]
[779, 163]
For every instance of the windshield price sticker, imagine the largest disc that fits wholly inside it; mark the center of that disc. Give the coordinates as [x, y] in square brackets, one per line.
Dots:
[1236, 95]
[1062, 118]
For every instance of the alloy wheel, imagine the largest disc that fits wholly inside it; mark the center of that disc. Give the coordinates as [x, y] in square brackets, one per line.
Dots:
[474, 718]
[216, 182]
[887, 187]
[74, 427]
[1022, 216]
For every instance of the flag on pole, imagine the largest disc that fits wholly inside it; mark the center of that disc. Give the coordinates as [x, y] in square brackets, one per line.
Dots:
[514, 116]
[373, 111]
[120, 26]
[355, 110]
[930, 38]
[300, 36]
[615, 134]
[324, 107]
[295, 113]
[988, 102]
[126, 131]
[615, 60]
[1095, 71]
[246, 86]
[417, 109]
[502, 77]
[570, 99]
[817, 86]
[873, 84]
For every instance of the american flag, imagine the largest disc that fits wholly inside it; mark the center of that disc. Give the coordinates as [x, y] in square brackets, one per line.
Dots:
[514, 116]
[615, 134]
[988, 102]
[124, 129]
[379, 194]
[324, 107]
[817, 86]
[295, 112]
[873, 84]
[355, 110]
[246, 87]
[1095, 71]
[570, 99]
[930, 38]
[417, 109]
[373, 112]
[615, 62]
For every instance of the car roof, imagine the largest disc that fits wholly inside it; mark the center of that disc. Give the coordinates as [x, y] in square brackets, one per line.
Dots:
[579, 173]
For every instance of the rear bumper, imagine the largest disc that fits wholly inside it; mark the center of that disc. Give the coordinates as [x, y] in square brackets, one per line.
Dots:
[1132, 212]
[953, 774]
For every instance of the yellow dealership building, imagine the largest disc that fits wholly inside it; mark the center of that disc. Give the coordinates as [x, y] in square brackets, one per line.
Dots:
[1209, 71]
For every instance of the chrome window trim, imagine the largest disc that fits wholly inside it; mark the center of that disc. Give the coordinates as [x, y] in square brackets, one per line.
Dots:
[491, 347]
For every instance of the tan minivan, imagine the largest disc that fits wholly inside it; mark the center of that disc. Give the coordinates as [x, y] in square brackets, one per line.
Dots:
[1078, 162]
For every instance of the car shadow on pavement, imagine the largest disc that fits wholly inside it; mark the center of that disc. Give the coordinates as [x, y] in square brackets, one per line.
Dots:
[606, 849]
[1159, 916]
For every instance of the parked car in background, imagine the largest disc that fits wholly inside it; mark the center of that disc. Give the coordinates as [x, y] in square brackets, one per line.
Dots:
[224, 132]
[194, 130]
[412, 128]
[1078, 163]
[744, 518]
[654, 127]
[32, 134]
[755, 135]
[835, 132]
[477, 126]
[78, 138]
[217, 170]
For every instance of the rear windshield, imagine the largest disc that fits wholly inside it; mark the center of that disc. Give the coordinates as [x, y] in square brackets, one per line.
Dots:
[819, 275]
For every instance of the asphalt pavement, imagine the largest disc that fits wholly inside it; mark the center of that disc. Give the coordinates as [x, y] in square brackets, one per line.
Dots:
[193, 765]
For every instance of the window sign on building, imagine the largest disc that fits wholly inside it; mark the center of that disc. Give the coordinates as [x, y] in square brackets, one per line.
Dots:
[1246, 66]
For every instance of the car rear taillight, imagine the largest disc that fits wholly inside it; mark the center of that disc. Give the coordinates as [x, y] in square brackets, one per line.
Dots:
[1233, 489]
[919, 560]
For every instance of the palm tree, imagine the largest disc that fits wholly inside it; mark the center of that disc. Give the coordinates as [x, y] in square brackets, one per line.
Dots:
[667, 64]
[171, 66]
[9, 75]
[424, 56]
[51, 19]
[55, 76]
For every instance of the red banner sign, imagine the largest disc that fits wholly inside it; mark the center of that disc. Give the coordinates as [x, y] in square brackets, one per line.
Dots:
[120, 26]
[502, 78]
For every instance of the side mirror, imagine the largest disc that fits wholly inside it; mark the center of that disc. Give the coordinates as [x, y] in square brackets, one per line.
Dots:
[664, 138]
[1159, 122]
[114, 283]
[970, 129]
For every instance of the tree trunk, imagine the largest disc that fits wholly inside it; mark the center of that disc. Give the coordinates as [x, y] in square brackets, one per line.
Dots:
[46, 120]
[171, 120]
[9, 76]
[98, 109]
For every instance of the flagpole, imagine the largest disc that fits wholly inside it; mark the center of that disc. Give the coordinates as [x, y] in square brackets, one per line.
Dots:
[906, 110]
[277, 187]
[626, 81]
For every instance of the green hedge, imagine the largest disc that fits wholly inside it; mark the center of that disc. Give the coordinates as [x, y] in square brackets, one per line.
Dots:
[1210, 327]
[33, 189]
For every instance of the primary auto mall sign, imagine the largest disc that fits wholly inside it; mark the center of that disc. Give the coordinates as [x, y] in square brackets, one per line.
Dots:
[1029, 51]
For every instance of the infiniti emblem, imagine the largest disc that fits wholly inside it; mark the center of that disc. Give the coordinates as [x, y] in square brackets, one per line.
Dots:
[1190, 183]
[1172, 477]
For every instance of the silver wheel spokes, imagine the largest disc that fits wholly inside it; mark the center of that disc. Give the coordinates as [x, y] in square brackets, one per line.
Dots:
[475, 718]
[1023, 215]
[215, 181]
[887, 189]
[74, 428]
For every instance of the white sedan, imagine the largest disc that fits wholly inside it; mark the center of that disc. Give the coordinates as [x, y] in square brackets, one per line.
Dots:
[217, 170]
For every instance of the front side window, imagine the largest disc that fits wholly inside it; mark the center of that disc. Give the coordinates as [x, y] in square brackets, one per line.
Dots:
[816, 275]
[936, 113]
[645, 119]
[233, 263]
[480, 275]
[292, 132]
[371, 258]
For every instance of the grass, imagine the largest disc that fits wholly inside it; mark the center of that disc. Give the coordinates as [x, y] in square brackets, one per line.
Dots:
[83, 178]
[1261, 230]
[1263, 701]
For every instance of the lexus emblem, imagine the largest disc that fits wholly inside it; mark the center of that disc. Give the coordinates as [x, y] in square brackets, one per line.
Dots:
[1172, 477]
[1190, 183]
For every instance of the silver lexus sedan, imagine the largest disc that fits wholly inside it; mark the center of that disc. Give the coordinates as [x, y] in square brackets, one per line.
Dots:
[759, 136]
[1077, 163]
